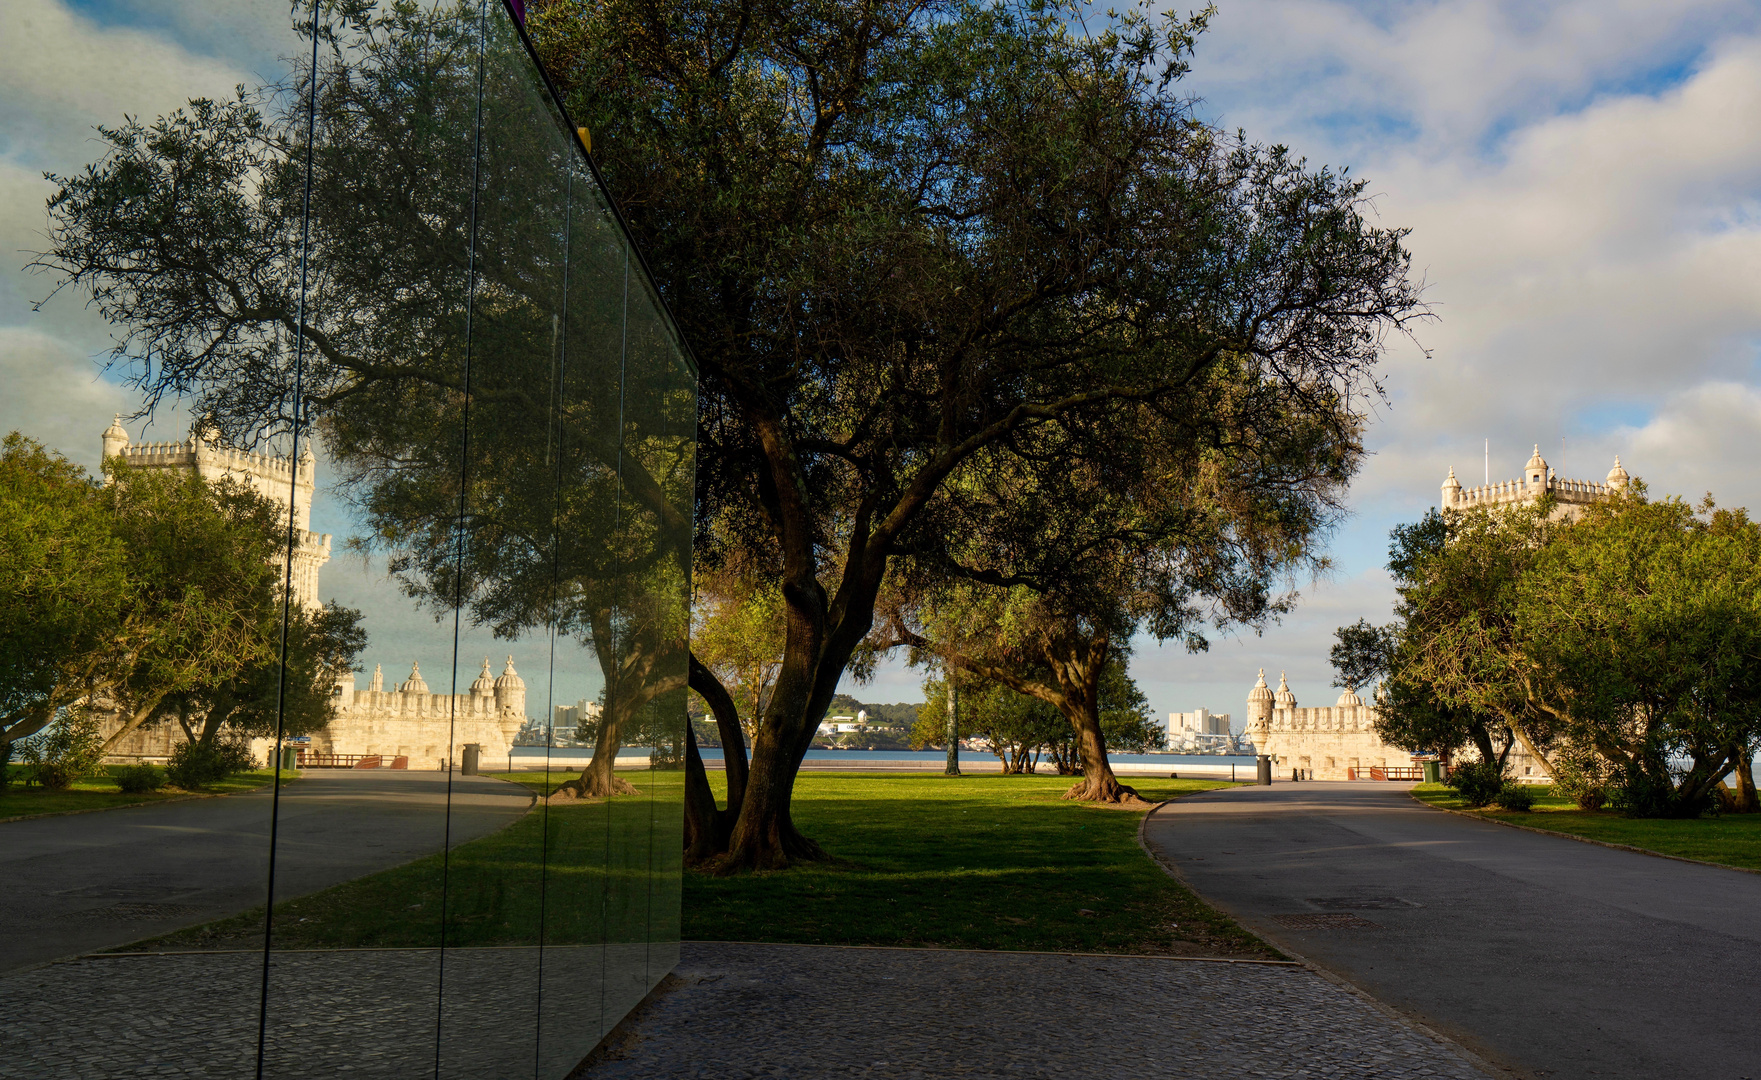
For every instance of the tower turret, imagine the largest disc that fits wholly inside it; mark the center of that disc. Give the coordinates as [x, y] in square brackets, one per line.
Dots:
[1451, 489]
[1535, 472]
[510, 692]
[415, 684]
[115, 438]
[1259, 712]
[1617, 477]
[1284, 698]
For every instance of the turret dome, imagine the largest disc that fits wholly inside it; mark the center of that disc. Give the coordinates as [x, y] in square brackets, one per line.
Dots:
[510, 679]
[1617, 476]
[414, 684]
[485, 683]
[1536, 461]
[115, 438]
[1349, 699]
[1284, 698]
[1451, 483]
[1260, 692]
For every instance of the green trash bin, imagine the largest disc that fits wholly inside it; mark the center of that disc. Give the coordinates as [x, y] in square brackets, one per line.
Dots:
[1433, 772]
[290, 758]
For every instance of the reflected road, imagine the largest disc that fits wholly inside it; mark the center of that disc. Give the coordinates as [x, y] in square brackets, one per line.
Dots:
[83, 882]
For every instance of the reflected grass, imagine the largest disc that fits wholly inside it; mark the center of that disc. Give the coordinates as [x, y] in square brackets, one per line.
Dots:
[1730, 839]
[494, 891]
[101, 793]
[979, 862]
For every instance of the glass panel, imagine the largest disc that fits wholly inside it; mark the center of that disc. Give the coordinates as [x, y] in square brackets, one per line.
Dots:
[588, 571]
[660, 412]
[390, 249]
[174, 252]
[495, 885]
[365, 845]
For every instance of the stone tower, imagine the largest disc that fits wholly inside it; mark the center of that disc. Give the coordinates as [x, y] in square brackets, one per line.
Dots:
[1571, 496]
[286, 483]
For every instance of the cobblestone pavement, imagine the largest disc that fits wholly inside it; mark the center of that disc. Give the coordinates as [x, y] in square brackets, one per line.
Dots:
[898, 1013]
[354, 1013]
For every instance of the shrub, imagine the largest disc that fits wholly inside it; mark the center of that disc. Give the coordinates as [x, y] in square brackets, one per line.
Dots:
[1477, 782]
[1582, 775]
[194, 766]
[140, 779]
[65, 751]
[1517, 797]
[1642, 792]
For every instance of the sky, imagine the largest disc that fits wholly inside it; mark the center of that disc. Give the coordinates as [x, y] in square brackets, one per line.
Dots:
[1582, 180]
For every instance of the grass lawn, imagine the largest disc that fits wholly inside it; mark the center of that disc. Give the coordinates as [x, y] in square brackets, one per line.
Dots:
[979, 862]
[1730, 839]
[101, 793]
[988, 862]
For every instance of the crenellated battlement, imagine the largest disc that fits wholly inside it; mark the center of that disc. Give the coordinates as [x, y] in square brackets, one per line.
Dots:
[1537, 480]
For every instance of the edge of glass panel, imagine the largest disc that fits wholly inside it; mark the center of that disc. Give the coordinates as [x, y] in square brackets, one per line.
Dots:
[573, 132]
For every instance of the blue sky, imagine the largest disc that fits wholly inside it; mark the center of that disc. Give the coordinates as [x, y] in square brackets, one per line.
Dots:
[1583, 181]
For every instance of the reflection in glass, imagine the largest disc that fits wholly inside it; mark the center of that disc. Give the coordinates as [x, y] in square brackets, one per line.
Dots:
[394, 247]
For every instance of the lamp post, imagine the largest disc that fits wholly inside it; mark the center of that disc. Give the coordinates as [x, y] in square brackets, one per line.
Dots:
[953, 768]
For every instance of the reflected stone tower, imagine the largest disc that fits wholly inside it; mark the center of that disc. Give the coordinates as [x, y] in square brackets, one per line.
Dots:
[272, 476]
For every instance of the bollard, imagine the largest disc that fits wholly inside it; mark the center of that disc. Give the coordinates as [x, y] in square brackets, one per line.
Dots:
[1265, 769]
[469, 766]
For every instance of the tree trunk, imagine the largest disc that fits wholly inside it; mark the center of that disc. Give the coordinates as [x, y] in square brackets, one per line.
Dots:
[707, 829]
[700, 809]
[1098, 784]
[1743, 799]
[599, 779]
[765, 837]
[140, 716]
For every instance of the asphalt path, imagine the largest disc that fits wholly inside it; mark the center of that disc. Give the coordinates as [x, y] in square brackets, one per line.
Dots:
[1545, 956]
[77, 883]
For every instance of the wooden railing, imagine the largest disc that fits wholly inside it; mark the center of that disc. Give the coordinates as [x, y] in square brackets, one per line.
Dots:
[314, 759]
[1389, 772]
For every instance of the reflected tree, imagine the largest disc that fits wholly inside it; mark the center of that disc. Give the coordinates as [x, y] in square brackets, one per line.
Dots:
[462, 345]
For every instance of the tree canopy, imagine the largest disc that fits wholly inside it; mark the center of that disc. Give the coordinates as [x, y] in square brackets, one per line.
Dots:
[1628, 639]
[902, 234]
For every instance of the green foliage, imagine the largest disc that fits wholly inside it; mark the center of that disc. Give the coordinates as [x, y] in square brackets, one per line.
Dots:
[1582, 775]
[196, 765]
[69, 749]
[1517, 798]
[1626, 639]
[1363, 654]
[139, 779]
[64, 586]
[1015, 726]
[1478, 782]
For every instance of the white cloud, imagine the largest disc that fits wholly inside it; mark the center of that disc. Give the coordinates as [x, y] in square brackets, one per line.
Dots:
[1583, 181]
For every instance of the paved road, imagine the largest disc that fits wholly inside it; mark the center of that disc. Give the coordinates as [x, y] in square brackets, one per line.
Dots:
[1547, 956]
[907, 1014]
[81, 882]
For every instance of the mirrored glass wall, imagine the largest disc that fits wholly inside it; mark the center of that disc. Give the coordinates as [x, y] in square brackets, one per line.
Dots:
[351, 470]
